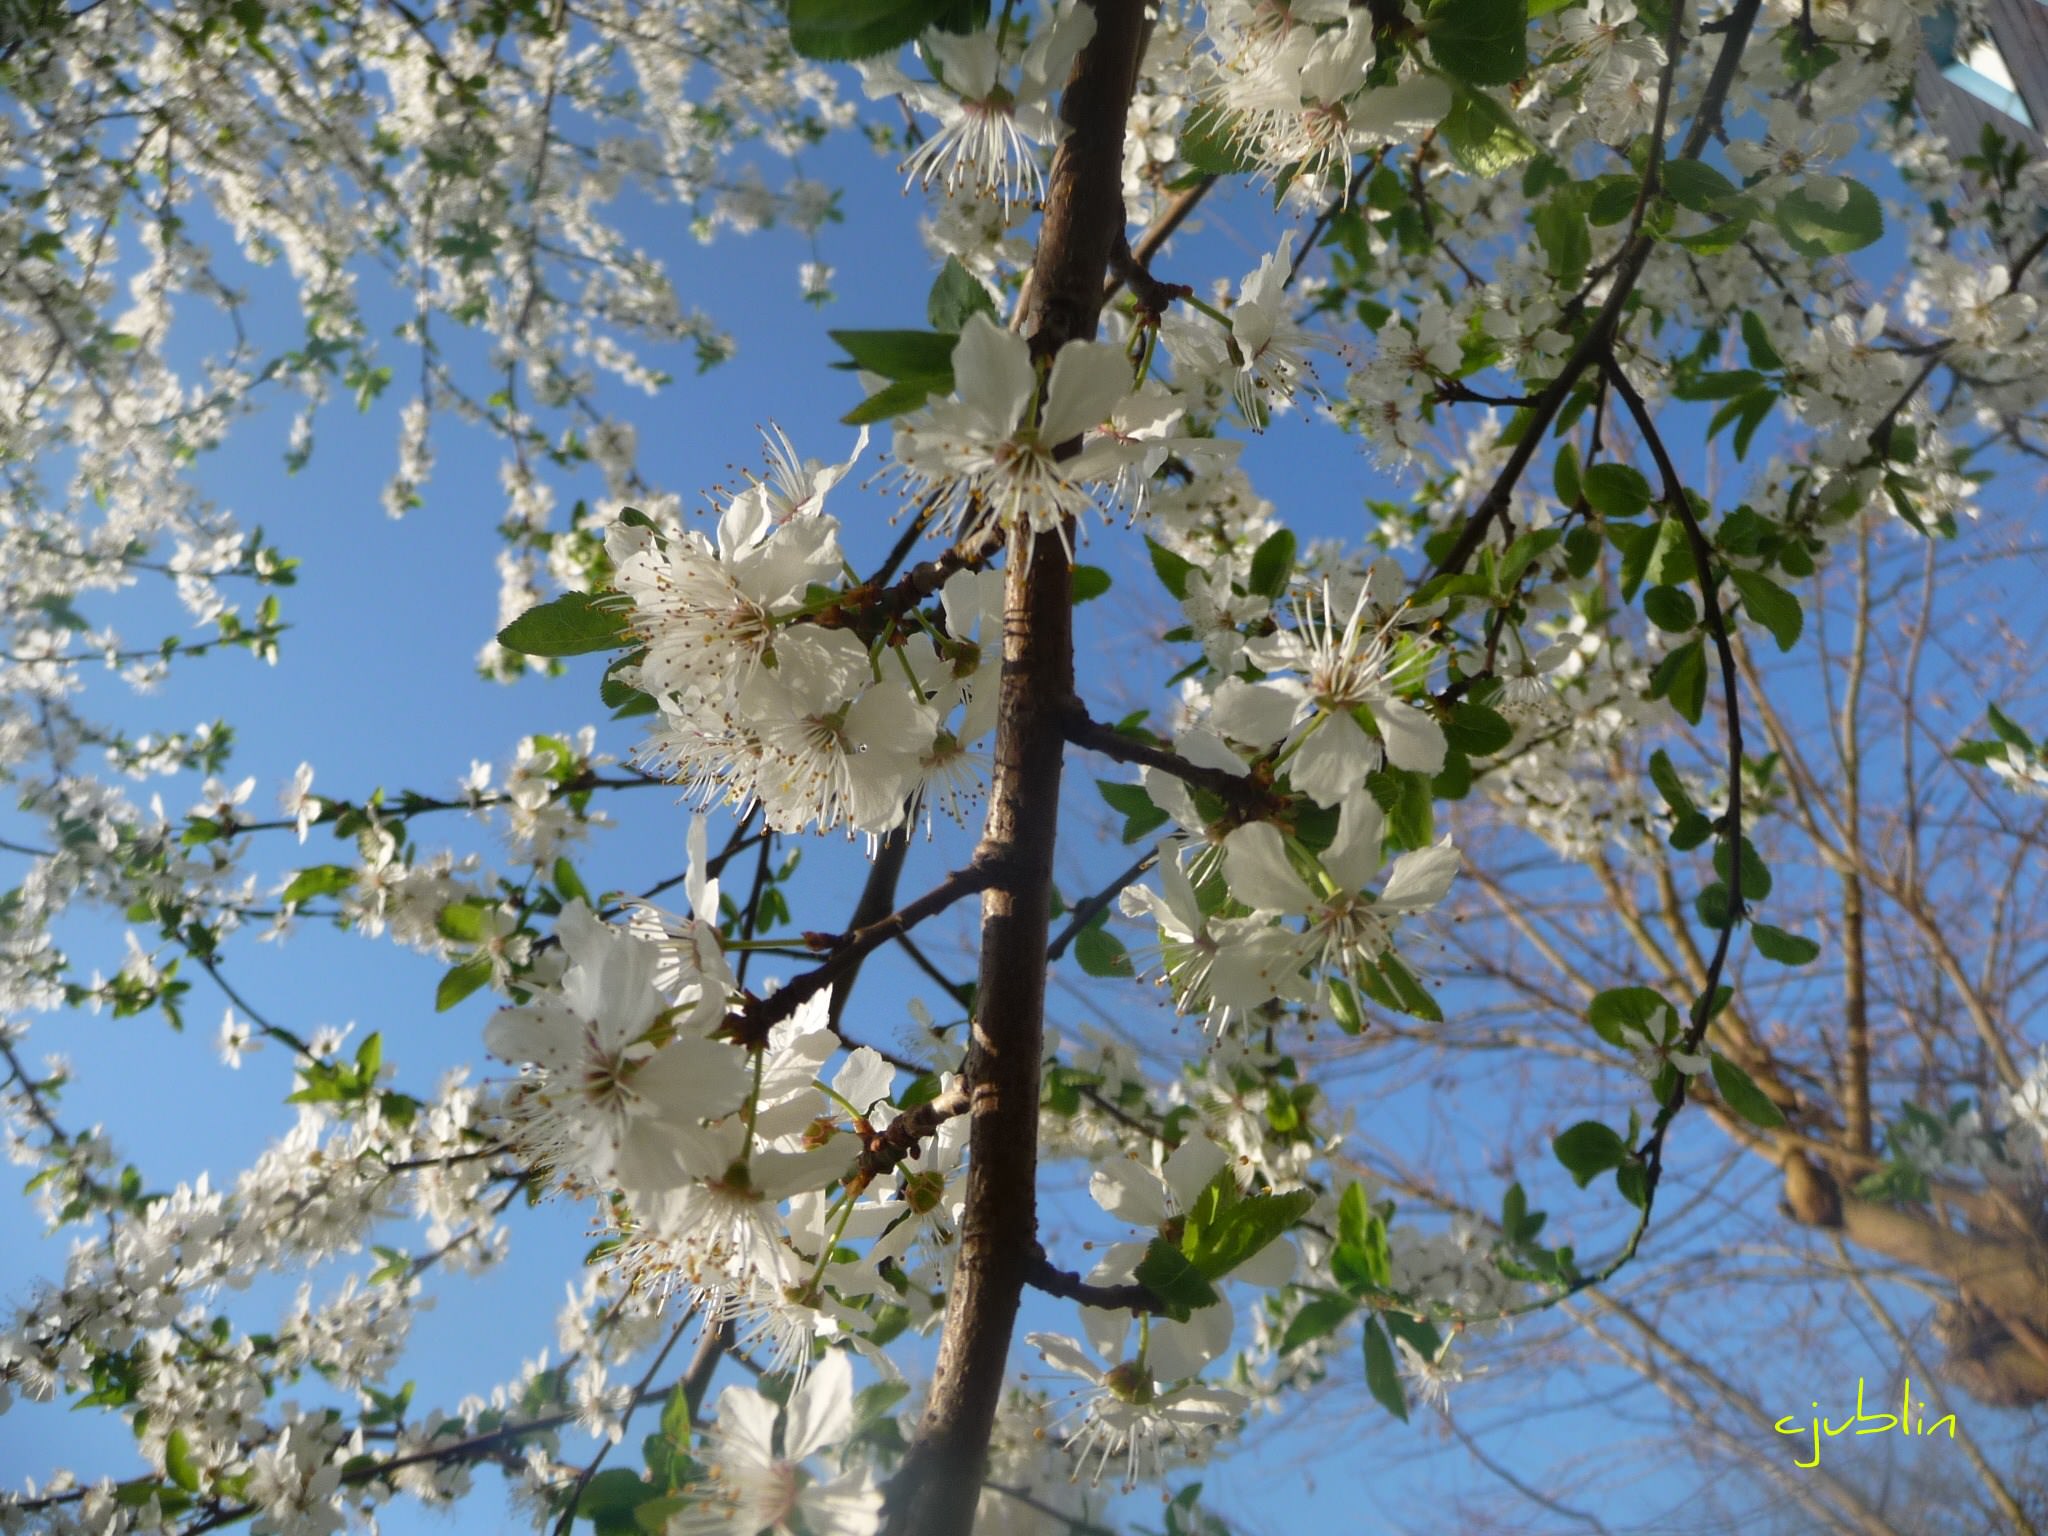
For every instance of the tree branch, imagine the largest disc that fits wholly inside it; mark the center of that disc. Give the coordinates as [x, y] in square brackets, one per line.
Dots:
[938, 1487]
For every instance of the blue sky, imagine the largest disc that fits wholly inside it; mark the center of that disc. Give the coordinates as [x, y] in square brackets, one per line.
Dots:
[377, 687]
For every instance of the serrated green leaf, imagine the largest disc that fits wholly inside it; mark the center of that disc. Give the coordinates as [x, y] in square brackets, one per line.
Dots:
[1247, 1227]
[1406, 799]
[924, 357]
[1171, 1276]
[1567, 242]
[571, 625]
[1564, 475]
[894, 399]
[1615, 490]
[1712, 906]
[1477, 731]
[956, 296]
[461, 922]
[1410, 995]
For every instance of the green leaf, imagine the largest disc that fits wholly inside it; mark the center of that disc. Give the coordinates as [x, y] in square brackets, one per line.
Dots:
[923, 356]
[1671, 561]
[1089, 581]
[1588, 1150]
[1696, 184]
[1712, 906]
[1771, 606]
[1616, 490]
[1619, 1008]
[1665, 776]
[1815, 230]
[1102, 953]
[2009, 730]
[1214, 143]
[1564, 475]
[1318, 1319]
[858, 29]
[1756, 875]
[1173, 570]
[462, 921]
[894, 399]
[956, 295]
[1479, 41]
[1171, 1276]
[1567, 242]
[1756, 341]
[461, 981]
[1477, 731]
[1483, 137]
[1409, 994]
[609, 1499]
[1614, 199]
[1246, 1228]
[1671, 609]
[178, 1462]
[1785, 948]
[1742, 1095]
[571, 625]
[1682, 678]
[1272, 565]
[1406, 799]
[1420, 1335]
[320, 880]
[1355, 1218]
[1381, 1378]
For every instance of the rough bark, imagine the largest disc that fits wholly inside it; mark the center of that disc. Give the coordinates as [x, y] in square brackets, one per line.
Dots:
[1996, 1330]
[939, 1484]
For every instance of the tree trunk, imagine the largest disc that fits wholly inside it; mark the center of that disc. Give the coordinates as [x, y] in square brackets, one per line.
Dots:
[939, 1484]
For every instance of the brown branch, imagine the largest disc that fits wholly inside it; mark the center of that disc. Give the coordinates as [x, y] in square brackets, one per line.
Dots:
[1239, 791]
[1068, 1286]
[749, 1024]
[1084, 912]
[898, 1142]
[877, 897]
[938, 1486]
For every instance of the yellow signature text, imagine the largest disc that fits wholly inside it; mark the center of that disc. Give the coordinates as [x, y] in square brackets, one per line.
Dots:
[1903, 1422]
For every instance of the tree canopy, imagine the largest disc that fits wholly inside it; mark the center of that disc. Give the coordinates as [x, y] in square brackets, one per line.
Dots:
[1601, 706]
